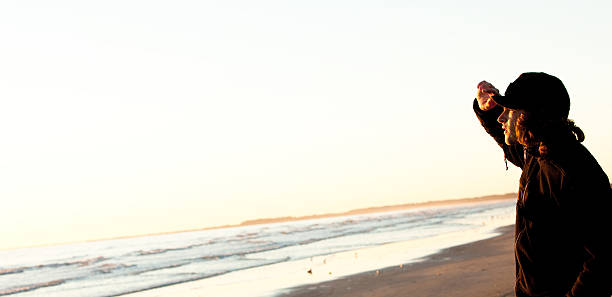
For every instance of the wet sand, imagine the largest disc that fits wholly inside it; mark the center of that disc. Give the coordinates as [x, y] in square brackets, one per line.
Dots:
[480, 269]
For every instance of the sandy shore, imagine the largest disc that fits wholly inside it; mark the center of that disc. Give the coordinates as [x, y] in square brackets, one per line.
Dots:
[474, 262]
[480, 269]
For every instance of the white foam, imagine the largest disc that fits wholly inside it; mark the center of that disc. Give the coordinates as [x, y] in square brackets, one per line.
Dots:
[272, 279]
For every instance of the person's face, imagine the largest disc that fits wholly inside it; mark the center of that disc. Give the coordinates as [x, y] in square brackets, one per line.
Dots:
[508, 119]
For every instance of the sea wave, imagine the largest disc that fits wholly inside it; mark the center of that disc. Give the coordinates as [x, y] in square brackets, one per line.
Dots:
[79, 263]
[6, 271]
[111, 268]
[31, 287]
[165, 250]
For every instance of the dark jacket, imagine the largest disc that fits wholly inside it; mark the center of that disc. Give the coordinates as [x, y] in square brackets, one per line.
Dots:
[563, 218]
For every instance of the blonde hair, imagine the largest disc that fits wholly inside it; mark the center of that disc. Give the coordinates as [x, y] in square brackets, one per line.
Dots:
[539, 132]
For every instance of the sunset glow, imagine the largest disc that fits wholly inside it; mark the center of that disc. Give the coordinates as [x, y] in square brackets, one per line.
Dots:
[134, 117]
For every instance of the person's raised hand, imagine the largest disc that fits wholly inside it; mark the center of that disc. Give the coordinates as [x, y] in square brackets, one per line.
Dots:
[485, 91]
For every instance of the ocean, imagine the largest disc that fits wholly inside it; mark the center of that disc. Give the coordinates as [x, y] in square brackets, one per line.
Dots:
[122, 266]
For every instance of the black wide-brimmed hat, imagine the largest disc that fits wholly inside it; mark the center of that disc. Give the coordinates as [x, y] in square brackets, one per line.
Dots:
[537, 93]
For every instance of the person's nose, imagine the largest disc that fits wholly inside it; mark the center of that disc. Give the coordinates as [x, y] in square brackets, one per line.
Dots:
[502, 117]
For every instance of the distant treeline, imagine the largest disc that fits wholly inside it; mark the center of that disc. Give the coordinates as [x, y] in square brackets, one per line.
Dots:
[379, 209]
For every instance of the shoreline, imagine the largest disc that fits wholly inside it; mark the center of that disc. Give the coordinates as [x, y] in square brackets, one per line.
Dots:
[482, 268]
[254, 222]
[371, 272]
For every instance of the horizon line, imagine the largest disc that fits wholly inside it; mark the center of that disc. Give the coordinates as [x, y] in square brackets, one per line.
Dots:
[272, 220]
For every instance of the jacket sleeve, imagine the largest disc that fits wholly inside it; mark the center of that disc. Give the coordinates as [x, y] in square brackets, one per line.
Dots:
[488, 119]
[594, 228]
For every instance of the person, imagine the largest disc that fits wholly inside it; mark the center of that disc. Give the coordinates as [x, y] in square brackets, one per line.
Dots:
[563, 226]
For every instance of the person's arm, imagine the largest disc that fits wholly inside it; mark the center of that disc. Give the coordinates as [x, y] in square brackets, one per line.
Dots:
[594, 230]
[488, 120]
[488, 111]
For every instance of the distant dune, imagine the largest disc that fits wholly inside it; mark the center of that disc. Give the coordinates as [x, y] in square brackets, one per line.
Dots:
[378, 209]
[328, 215]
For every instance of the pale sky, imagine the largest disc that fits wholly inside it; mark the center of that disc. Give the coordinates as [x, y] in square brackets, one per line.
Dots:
[130, 117]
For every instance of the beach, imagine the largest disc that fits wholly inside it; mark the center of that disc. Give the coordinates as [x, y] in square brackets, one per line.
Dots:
[479, 269]
[417, 249]
[483, 268]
